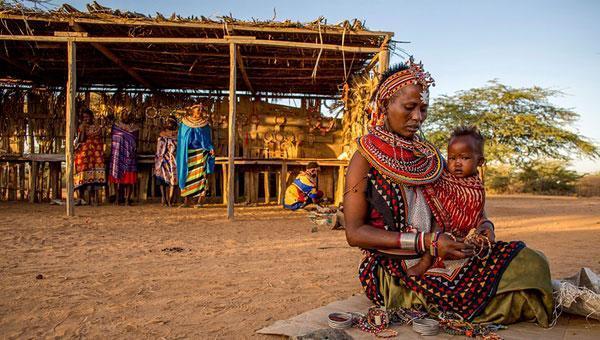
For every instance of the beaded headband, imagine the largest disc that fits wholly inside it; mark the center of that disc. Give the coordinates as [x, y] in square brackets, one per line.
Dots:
[413, 75]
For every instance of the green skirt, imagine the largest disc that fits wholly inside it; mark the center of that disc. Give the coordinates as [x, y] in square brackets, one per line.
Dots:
[524, 292]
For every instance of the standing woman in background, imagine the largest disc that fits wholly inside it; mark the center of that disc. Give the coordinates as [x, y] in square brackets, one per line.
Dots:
[90, 173]
[165, 164]
[195, 155]
[123, 157]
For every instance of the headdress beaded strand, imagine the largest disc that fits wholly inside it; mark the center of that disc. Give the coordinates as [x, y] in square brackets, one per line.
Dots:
[413, 75]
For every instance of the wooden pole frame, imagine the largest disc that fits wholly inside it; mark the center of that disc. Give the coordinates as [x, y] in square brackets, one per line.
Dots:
[71, 90]
[232, 41]
[240, 40]
[231, 148]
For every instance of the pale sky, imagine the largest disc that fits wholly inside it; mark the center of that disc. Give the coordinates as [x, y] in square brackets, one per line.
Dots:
[552, 43]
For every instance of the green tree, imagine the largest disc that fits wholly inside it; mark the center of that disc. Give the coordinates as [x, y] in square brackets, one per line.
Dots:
[548, 177]
[520, 124]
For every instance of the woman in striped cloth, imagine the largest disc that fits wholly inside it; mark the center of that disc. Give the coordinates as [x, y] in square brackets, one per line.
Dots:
[165, 165]
[195, 155]
[123, 157]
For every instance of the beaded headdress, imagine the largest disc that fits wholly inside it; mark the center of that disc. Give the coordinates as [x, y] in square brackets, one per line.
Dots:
[412, 75]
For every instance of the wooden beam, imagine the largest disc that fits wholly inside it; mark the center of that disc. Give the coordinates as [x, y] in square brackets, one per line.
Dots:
[372, 63]
[70, 123]
[240, 63]
[216, 75]
[232, 130]
[328, 30]
[225, 55]
[113, 57]
[195, 41]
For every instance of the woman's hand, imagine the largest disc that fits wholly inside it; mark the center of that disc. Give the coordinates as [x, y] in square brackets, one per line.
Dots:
[450, 249]
[486, 228]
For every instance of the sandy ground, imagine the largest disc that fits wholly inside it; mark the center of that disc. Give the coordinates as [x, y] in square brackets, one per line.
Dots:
[106, 274]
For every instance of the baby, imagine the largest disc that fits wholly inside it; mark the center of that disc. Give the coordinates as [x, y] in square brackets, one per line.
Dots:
[457, 198]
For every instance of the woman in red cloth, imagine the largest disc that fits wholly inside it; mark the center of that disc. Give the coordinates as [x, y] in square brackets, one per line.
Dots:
[90, 172]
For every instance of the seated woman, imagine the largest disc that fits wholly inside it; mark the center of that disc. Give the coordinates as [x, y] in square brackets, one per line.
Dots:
[303, 190]
[388, 217]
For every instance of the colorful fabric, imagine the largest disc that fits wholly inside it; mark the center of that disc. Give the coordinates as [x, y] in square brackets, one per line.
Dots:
[196, 181]
[193, 136]
[123, 155]
[89, 159]
[465, 290]
[165, 164]
[457, 203]
[523, 294]
[301, 192]
[410, 162]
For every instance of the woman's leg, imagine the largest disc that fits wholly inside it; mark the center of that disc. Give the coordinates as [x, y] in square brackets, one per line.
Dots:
[128, 190]
[171, 195]
[163, 195]
[117, 193]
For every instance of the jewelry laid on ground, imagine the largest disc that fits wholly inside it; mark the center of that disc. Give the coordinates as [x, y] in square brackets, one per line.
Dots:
[378, 321]
[426, 326]
[340, 320]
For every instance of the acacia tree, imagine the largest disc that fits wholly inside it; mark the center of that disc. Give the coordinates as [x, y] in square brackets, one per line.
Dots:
[520, 125]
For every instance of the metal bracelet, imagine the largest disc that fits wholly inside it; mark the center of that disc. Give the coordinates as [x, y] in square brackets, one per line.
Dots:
[407, 241]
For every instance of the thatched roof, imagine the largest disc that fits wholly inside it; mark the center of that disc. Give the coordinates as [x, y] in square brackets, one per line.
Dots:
[285, 68]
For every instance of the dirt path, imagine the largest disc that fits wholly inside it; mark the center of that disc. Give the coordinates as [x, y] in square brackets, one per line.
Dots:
[106, 274]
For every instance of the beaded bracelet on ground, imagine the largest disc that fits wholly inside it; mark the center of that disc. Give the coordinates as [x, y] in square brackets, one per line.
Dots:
[454, 324]
[376, 322]
[405, 316]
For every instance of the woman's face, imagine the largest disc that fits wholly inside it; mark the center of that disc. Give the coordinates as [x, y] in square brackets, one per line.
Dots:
[197, 112]
[171, 124]
[126, 117]
[87, 118]
[406, 112]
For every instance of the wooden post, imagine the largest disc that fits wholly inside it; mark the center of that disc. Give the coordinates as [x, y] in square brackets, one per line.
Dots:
[224, 188]
[12, 191]
[32, 181]
[22, 181]
[266, 187]
[247, 188]
[231, 148]
[339, 190]
[384, 60]
[70, 124]
[283, 182]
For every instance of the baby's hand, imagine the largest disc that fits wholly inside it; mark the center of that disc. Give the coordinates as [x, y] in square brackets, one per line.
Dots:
[421, 267]
[486, 230]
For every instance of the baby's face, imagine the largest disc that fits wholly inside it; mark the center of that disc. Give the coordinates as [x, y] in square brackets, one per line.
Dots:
[463, 158]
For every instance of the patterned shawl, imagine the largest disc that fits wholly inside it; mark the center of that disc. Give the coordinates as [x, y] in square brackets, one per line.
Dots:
[456, 203]
[123, 155]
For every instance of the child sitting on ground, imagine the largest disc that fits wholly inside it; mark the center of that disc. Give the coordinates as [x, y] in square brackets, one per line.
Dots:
[457, 198]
